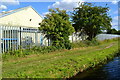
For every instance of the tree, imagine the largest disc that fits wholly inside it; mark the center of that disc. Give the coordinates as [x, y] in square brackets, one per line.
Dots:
[118, 32]
[91, 19]
[57, 27]
[112, 31]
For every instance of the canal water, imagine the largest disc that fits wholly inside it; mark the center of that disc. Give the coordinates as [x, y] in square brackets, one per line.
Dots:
[109, 71]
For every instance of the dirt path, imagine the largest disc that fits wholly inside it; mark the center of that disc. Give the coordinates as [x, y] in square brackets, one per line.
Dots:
[110, 45]
[49, 59]
[107, 46]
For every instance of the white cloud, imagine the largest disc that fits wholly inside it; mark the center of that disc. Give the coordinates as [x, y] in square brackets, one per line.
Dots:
[2, 7]
[109, 10]
[115, 18]
[116, 12]
[9, 2]
[43, 14]
[114, 2]
[5, 3]
[46, 13]
[66, 4]
[71, 1]
[115, 22]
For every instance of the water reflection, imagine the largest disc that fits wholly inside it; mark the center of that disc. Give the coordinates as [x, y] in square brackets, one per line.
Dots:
[110, 71]
[113, 69]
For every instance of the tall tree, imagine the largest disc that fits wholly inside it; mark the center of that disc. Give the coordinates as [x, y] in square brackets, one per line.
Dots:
[91, 19]
[57, 27]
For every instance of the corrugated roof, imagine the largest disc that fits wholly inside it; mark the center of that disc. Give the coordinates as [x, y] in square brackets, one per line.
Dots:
[13, 11]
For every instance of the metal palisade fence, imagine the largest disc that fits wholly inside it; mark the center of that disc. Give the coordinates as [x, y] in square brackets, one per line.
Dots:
[13, 38]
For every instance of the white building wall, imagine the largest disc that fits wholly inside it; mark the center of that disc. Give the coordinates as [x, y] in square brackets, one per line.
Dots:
[74, 37]
[27, 17]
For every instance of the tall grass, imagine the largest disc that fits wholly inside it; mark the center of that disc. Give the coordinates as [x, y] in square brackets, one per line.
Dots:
[63, 64]
[48, 49]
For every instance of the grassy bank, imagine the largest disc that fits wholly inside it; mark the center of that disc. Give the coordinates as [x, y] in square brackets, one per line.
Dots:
[59, 64]
[47, 49]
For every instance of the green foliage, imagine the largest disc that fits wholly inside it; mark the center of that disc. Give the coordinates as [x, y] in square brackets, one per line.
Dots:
[34, 50]
[118, 32]
[91, 19]
[17, 53]
[48, 49]
[63, 64]
[113, 31]
[85, 43]
[91, 43]
[57, 27]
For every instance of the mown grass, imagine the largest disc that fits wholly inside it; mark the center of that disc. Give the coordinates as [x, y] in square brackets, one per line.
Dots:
[59, 64]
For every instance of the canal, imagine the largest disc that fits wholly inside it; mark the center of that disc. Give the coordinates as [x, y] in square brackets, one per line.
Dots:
[109, 71]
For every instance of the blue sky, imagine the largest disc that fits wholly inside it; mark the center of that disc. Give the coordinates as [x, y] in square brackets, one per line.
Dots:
[42, 7]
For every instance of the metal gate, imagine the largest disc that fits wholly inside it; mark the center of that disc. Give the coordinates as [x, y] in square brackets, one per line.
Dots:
[13, 37]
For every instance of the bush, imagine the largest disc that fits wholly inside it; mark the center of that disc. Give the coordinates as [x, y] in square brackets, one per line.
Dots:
[34, 50]
[85, 43]
[48, 49]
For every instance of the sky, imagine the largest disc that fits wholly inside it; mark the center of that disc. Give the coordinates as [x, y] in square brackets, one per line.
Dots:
[42, 6]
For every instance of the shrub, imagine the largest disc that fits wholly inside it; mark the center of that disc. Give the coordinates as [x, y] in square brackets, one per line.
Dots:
[48, 49]
[34, 50]
[85, 43]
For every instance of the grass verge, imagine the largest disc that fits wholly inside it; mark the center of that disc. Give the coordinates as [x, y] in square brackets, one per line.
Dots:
[59, 64]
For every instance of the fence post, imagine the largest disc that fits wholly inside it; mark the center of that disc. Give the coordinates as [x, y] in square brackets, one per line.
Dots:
[20, 36]
[36, 38]
[0, 39]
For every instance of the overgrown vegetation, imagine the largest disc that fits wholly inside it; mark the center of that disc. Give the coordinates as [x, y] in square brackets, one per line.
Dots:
[57, 27]
[56, 61]
[113, 31]
[45, 49]
[87, 19]
[48, 49]
[59, 64]
[85, 43]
